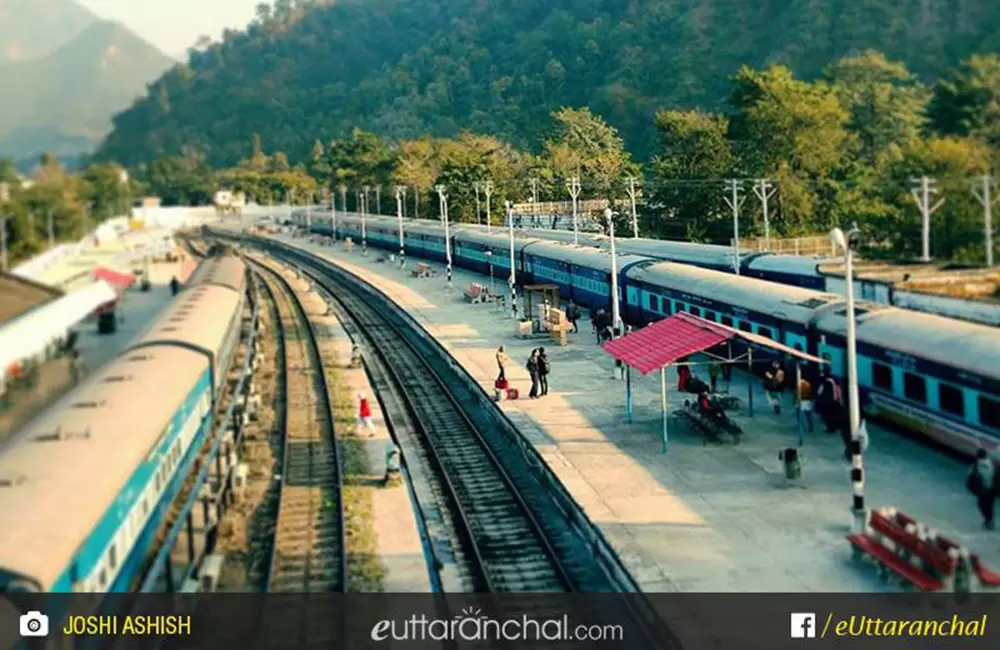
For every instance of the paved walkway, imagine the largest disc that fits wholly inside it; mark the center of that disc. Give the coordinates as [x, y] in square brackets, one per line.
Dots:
[699, 518]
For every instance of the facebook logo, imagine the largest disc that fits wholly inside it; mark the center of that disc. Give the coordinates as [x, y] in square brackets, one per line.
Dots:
[803, 626]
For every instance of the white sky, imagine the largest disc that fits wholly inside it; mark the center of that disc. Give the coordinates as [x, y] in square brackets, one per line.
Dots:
[174, 25]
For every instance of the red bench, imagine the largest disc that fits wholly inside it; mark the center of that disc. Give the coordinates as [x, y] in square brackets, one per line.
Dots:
[986, 576]
[936, 566]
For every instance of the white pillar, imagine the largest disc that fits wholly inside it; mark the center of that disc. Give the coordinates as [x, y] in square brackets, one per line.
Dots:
[488, 189]
[400, 196]
[986, 199]
[922, 195]
[635, 215]
[735, 203]
[574, 192]
[764, 190]
[513, 272]
[615, 317]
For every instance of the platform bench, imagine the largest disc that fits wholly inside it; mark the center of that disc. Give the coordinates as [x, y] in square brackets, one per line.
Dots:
[422, 270]
[711, 428]
[476, 293]
[906, 547]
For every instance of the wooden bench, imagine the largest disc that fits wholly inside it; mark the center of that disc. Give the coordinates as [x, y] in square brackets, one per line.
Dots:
[986, 576]
[712, 428]
[476, 293]
[937, 567]
[422, 270]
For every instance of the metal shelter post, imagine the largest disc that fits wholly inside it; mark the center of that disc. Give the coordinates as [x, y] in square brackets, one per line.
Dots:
[628, 393]
[663, 406]
[798, 398]
[750, 381]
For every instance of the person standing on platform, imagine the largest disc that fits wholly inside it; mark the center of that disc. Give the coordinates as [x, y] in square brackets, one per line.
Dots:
[774, 381]
[804, 401]
[714, 369]
[543, 371]
[365, 415]
[573, 316]
[533, 368]
[981, 482]
[502, 360]
[175, 285]
[828, 400]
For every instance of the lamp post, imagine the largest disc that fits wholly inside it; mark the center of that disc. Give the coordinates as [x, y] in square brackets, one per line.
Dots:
[574, 191]
[364, 224]
[615, 320]
[443, 198]
[489, 260]
[400, 196]
[846, 242]
[512, 278]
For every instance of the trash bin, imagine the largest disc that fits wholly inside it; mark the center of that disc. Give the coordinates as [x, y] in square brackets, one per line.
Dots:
[792, 462]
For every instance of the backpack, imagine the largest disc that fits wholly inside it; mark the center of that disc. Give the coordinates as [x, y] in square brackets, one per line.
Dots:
[545, 367]
[974, 483]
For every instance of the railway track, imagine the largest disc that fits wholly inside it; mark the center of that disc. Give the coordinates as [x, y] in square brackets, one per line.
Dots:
[308, 553]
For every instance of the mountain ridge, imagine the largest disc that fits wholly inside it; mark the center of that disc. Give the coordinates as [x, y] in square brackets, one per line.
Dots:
[33, 28]
[63, 102]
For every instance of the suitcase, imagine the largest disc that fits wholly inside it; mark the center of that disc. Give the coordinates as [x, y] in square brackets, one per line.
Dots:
[511, 393]
[500, 384]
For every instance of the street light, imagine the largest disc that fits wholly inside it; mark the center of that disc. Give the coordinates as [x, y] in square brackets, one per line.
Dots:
[847, 242]
[512, 278]
[400, 195]
[443, 198]
[488, 189]
[610, 216]
[489, 259]
[364, 223]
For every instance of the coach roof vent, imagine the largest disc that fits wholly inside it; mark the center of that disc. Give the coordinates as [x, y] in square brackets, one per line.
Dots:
[812, 303]
[113, 379]
[139, 357]
[88, 405]
[13, 481]
[168, 329]
[59, 435]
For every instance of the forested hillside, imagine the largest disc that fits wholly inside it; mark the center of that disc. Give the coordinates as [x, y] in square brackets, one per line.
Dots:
[408, 68]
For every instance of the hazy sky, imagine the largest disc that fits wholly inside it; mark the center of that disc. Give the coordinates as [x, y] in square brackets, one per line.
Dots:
[174, 25]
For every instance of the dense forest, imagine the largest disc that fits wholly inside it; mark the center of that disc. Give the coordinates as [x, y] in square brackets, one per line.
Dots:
[306, 70]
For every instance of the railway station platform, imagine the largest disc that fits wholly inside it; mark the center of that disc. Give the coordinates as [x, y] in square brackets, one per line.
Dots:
[699, 518]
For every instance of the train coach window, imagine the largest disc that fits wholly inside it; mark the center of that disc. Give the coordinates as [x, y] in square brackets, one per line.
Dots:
[951, 400]
[113, 556]
[989, 412]
[914, 388]
[882, 376]
[695, 311]
[709, 315]
[727, 321]
[745, 326]
[765, 332]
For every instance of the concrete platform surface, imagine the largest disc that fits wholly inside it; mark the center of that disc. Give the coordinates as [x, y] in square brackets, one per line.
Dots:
[698, 518]
[70, 271]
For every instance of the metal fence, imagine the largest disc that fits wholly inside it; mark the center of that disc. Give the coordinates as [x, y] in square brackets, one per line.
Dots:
[815, 245]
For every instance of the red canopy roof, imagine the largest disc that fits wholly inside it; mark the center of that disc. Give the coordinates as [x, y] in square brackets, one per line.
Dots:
[666, 341]
[114, 278]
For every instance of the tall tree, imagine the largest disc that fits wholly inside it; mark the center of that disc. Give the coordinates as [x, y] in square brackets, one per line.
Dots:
[967, 102]
[584, 140]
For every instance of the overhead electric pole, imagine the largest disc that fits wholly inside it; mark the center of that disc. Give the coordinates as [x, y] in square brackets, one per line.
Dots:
[534, 201]
[922, 192]
[735, 202]
[378, 200]
[635, 215]
[764, 190]
[443, 198]
[488, 190]
[343, 198]
[982, 189]
[477, 186]
[400, 207]
[573, 185]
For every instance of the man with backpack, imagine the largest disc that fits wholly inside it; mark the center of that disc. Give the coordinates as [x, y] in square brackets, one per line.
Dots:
[981, 482]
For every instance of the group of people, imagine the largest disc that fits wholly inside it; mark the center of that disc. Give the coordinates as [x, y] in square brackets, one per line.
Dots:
[538, 367]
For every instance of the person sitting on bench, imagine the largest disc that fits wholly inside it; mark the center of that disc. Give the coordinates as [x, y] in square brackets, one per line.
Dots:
[696, 386]
[710, 408]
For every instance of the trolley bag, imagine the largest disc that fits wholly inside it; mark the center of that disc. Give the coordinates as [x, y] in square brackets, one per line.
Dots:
[511, 393]
[500, 384]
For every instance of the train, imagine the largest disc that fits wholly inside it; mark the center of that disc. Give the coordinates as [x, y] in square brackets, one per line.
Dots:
[925, 373]
[86, 485]
[798, 271]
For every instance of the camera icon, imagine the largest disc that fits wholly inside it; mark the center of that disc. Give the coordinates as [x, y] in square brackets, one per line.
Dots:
[34, 624]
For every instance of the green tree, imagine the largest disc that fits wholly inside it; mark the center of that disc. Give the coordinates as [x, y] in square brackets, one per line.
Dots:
[967, 102]
[886, 104]
[581, 139]
[694, 148]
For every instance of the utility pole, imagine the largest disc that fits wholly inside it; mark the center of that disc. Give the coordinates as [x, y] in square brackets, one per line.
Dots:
[416, 202]
[367, 189]
[309, 213]
[922, 192]
[986, 199]
[443, 198]
[573, 185]
[534, 201]
[343, 198]
[378, 200]
[736, 202]
[764, 190]
[488, 189]
[477, 186]
[364, 224]
[635, 215]
[400, 204]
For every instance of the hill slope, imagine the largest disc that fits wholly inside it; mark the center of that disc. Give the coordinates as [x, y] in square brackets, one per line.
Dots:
[406, 68]
[63, 102]
[33, 28]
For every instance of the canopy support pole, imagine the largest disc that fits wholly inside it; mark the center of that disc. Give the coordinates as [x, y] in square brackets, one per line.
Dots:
[628, 393]
[663, 406]
[750, 380]
[798, 401]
